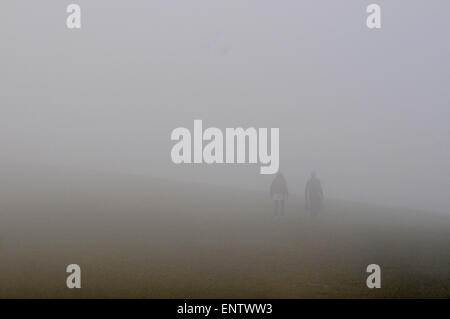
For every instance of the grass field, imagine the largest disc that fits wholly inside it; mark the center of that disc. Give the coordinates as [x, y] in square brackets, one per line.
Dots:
[147, 238]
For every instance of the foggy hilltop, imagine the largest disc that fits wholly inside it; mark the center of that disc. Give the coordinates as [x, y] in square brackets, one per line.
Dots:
[88, 175]
[133, 240]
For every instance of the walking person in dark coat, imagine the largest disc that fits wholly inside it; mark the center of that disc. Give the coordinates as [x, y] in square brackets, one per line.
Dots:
[313, 195]
[279, 193]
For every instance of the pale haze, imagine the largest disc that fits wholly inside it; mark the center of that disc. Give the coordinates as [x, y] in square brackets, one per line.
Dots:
[368, 110]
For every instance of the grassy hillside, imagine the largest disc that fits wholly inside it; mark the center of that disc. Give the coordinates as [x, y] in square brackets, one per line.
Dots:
[146, 238]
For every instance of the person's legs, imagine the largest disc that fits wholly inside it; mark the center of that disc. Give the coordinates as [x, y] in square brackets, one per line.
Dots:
[281, 207]
[276, 207]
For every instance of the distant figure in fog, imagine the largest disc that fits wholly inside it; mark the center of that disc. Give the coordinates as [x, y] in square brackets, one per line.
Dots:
[279, 193]
[313, 195]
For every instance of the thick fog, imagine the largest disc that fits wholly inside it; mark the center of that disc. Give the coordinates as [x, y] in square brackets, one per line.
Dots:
[368, 110]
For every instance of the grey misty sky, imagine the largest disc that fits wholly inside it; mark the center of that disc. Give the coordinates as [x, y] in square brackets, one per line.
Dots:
[368, 110]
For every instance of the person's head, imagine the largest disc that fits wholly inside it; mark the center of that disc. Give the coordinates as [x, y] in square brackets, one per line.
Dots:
[313, 174]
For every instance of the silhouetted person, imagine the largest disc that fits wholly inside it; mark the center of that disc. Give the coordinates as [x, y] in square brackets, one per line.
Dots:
[313, 195]
[279, 192]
